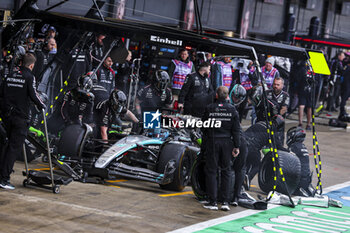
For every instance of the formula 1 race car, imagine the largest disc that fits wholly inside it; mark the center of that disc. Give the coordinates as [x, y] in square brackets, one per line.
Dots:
[165, 159]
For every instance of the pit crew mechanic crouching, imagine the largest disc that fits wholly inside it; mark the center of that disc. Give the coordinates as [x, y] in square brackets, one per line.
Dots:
[77, 107]
[16, 92]
[257, 136]
[156, 95]
[197, 91]
[109, 110]
[295, 143]
[220, 144]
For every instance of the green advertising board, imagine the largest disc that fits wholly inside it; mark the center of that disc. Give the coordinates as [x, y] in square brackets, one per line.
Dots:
[286, 219]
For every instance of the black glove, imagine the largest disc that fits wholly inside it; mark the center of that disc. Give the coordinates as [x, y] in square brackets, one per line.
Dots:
[3, 133]
[137, 128]
[40, 107]
[277, 121]
[91, 97]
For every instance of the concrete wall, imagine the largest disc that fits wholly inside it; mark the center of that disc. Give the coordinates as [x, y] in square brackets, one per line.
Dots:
[75, 7]
[219, 14]
[267, 18]
[342, 26]
[159, 11]
[7, 4]
[304, 15]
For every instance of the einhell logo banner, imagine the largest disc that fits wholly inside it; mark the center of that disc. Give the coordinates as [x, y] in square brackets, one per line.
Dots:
[166, 40]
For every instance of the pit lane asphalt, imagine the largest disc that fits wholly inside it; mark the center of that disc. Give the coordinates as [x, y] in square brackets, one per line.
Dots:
[135, 206]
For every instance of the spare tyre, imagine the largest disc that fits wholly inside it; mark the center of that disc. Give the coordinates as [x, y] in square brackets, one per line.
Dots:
[291, 168]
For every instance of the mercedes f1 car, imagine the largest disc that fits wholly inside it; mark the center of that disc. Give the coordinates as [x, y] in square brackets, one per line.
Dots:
[165, 159]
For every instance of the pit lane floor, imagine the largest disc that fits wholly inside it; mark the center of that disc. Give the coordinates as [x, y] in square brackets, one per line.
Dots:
[134, 206]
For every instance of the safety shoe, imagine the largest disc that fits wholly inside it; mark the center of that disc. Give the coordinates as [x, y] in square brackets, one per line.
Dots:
[246, 196]
[308, 127]
[6, 185]
[225, 206]
[203, 201]
[344, 117]
[234, 202]
[211, 206]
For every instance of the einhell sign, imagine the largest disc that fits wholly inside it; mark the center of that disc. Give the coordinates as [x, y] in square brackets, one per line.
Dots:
[166, 40]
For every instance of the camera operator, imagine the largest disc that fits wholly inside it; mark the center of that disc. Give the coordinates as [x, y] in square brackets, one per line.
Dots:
[16, 92]
[30, 45]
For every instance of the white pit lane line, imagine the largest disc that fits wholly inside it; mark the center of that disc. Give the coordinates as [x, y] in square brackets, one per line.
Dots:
[245, 213]
[84, 209]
